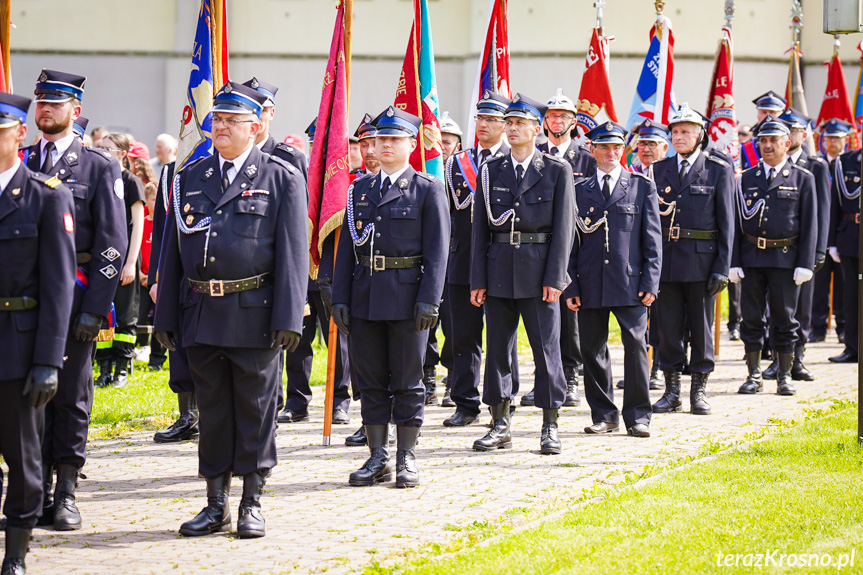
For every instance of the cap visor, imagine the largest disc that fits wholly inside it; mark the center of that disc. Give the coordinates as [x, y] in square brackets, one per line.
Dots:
[231, 109]
[394, 133]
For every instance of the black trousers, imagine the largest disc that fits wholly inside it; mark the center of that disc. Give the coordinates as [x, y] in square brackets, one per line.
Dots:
[298, 364]
[67, 415]
[180, 376]
[804, 311]
[542, 324]
[598, 382]
[20, 432]
[821, 297]
[158, 354]
[774, 287]
[685, 307]
[734, 313]
[467, 350]
[850, 286]
[388, 367]
[235, 388]
[126, 303]
[570, 349]
[433, 356]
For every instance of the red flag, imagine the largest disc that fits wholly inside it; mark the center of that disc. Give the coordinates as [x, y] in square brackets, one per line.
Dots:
[836, 102]
[493, 71]
[329, 168]
[720, 102]
[595, 103]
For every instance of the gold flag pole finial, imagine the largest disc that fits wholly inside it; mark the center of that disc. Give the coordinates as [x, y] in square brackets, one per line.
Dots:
[729, 12]
[796, 22]
[599, 5]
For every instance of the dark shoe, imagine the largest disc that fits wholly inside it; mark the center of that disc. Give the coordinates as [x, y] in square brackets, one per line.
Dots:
[753, 383]
[847, 356]
[447, 394]
[358, 438]
[47, 497]
[734, 334]
[670, 400]
[186, 427]
[638, 430]
[799, 372]
[620, 384]
[406, 464]
[783, 376]
[817, 337]
[572, 398]
[288, 416]
[601, 427]
[770, 372]
[250, 521]
[656, 382]
[340, 417]
[766, 354]
[106, 366]
[154, 366]
[459, 419]
[527, 399]
[17, 545]
[121, 373]
[549, 443]
[216, 516]
[66, 515]
[500, 434]
[430, 381]
[697, 399]
[377, 468]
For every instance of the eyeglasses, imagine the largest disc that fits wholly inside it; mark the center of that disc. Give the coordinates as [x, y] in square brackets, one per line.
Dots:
[647, 144]
[559, 117]
[228, 122]
[487, 120]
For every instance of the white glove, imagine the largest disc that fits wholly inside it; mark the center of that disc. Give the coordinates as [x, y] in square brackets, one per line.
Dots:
[735, 275]
[834, 254]
[802, 275]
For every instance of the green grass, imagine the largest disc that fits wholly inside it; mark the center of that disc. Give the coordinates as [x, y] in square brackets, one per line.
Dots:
[797, 492]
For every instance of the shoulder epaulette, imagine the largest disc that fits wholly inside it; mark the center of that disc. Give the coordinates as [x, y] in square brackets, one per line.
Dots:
[640, 175]
[554, 159]
[98, 152]
[51, 182]
[495, 159]
[426, 176]
[799, 167]
[284, 163]
[818, 159]
[289, 149]
[191, 164]
[718, 160]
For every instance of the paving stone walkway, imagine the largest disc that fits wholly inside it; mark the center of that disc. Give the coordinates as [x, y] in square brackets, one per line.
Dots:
[137, 492]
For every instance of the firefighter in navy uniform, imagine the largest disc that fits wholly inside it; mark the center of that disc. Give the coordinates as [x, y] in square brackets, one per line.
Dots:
[774, 251]
[387, 288]
[265, 141]
[616, 264]
[696, 193]
[37, 256]
[767, 104]
[100, 244]
[461, 172]
[522, 237]
[242, 246]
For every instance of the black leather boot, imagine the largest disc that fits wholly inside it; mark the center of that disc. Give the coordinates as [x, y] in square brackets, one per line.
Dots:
[770, 372]
[121, 372]
[378, 468]
[527, 399]
[216, 516]
[250, 521]
[358, 438]
[670, 400]
[799, 372]
[17, 544]
[66, 515]
[697, 399]
[47, 497]
[430, 380]
[406, 463]
[783, 376]
[572, 398]
[753, 383]
[549, 444]
[447, 399]
[655, 380]
[105, 378]
[500, 434]
[186, 427]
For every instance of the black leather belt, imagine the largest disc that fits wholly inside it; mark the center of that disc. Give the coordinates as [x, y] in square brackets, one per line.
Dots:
[83, 258]
[218, 288]
[764, 243]
[518, 238]
[851, 218]
[681, 234]
[381, 263]
[17, 303]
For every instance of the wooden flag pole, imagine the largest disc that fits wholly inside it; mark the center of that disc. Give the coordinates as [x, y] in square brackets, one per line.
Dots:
[5, 42]
[830, 313]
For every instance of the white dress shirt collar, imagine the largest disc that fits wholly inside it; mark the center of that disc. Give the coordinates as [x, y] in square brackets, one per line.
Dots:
[238, 163]
[6, 176]
[615, 175]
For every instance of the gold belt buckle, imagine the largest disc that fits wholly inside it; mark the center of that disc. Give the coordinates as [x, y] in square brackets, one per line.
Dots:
[515, 238]
[762, 244]
[217, 288]
[674, 233]
[379, 263]
[857, 219]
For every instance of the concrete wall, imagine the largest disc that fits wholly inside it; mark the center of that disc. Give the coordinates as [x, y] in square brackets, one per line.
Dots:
[136, 54]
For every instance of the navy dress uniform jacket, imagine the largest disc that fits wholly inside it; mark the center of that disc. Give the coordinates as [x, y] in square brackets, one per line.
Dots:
[411, 219]
[818, 166]
[288, 153]
[789, 211]
[458, 268]
[258, 225]
[522, 271]
[704, 201]
[845, 232]
[37, 256]
[633, 261]
[94, 179]
[583, 164]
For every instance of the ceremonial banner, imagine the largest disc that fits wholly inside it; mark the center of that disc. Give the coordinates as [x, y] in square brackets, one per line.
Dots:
[5, 29]
[858, 100]
[330, 166]
[720, 102]
[209, 74]
[794, 89]
[836, 103]
[654, 94]
[595, 104]
[417, 93]
[493, 70]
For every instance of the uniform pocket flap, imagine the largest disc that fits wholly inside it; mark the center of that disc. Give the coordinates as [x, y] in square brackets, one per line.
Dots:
[787, 194]
[80, 191]
[538, 197]
[627, 209]
[253, 206]
[701, 190]
[17, 231]
[404, 212]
